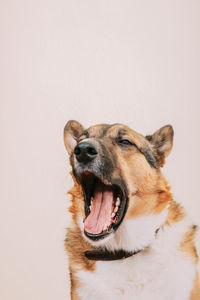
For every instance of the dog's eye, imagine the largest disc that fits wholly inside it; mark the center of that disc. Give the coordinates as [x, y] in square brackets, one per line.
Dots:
[125, 142]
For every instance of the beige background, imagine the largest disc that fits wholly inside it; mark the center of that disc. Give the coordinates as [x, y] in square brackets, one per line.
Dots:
[136, 62]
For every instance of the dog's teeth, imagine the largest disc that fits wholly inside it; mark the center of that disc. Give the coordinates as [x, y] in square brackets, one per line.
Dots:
[113, 214]
[116, 209]
[117, 202]
[105, 227]
[91, 201]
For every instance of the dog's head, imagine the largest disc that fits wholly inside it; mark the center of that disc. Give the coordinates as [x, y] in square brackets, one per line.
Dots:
[116, 168]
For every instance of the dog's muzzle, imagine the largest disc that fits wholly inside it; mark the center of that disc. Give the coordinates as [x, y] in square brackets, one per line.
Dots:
[106, 198]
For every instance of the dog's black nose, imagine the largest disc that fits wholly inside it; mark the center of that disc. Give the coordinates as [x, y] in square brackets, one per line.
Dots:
[85, 152]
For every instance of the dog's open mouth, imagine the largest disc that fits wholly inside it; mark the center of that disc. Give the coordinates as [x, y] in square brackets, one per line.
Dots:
[105, 206]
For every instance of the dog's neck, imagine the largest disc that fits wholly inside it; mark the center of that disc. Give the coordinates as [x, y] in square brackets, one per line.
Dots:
[105, 255]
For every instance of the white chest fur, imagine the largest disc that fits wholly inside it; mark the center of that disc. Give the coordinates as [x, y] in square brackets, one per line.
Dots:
[160, 272]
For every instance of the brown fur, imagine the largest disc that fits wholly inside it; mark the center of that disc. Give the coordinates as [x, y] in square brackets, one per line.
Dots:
[74, 285]
[175, 213]
[195, 294]
[75, 244]
[188, 245]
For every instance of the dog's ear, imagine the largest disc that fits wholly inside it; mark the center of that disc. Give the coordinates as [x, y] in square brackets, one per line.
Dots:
[162, 141]
[72, 131]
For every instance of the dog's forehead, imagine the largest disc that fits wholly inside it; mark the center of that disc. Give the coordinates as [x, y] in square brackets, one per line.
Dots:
[107, 130]
[98, 131]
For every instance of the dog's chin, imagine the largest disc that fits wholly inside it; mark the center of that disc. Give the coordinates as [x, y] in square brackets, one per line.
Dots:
[105, 203]
[102, 243]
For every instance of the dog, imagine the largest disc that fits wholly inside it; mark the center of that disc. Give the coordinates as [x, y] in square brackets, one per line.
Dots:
[129, 238]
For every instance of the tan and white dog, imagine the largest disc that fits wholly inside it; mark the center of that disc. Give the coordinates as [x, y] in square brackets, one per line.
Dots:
[129, 239]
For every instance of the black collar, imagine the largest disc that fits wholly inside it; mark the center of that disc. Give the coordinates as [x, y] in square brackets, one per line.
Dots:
[105, 255]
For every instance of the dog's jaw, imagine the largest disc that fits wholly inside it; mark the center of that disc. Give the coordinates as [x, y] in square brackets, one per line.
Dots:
[132, 235]
[96, 244]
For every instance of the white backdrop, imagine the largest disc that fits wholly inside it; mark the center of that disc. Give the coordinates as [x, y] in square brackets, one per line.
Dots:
[135, 62]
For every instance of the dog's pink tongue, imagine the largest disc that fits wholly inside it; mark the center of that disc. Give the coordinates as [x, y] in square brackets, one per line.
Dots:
[101, 209]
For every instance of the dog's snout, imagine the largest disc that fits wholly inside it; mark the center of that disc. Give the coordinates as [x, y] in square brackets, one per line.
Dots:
[85, 152]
